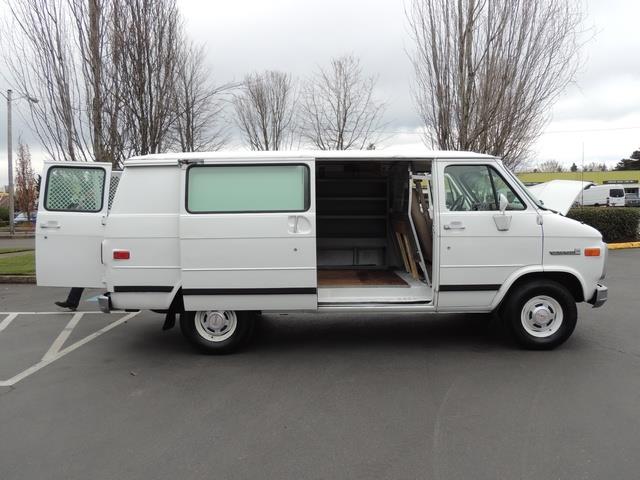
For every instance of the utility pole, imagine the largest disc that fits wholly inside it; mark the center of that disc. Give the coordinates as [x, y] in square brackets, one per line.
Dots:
[10, 99]
[582, 178]
[10, 163]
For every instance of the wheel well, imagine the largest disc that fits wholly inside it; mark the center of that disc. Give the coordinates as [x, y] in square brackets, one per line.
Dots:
[566, 279]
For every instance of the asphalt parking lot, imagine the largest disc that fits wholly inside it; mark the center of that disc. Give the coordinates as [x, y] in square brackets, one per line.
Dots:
[392, 397]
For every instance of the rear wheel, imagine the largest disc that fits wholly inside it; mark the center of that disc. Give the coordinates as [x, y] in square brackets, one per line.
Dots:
[542, 314]
[217, 331]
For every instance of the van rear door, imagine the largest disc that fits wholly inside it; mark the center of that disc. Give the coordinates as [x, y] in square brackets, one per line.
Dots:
[248, 236]
[72, 208]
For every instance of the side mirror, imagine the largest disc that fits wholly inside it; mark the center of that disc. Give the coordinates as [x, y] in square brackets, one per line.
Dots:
[504, 203]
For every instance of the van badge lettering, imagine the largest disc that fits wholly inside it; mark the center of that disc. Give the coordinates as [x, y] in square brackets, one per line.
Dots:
[565, 252]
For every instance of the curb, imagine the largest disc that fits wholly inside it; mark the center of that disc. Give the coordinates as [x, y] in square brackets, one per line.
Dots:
[622, 246]
[17, 279]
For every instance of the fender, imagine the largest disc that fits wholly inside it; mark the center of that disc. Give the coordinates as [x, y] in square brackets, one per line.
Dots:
[586, 291]
[539, 269]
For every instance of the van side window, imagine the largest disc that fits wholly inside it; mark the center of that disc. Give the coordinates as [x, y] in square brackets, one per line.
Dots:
[74, 189]
[247, 188]
[477, 188]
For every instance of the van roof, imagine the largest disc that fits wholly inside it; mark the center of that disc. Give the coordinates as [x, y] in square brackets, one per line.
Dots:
[297, 155]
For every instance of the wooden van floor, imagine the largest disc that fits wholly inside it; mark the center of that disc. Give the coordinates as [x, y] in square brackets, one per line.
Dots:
[359, 278]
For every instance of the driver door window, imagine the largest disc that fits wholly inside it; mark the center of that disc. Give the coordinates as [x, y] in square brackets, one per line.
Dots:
[477, 188]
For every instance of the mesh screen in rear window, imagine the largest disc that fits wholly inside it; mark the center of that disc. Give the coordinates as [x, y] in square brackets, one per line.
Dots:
[75, 189]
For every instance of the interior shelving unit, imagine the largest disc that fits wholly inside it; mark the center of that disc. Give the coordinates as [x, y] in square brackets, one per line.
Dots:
[352, 222]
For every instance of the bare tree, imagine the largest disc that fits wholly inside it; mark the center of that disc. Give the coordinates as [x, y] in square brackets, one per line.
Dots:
[102, 80]
[264, 110]
[488, 71]
[147, 36]
[200, 123]
[549, 166]
[26, 184]
[106, 73]
[594, 167]
[40, 56]
[338, 110]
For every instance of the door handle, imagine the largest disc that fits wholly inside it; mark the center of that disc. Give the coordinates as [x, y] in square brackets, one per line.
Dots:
[299, 224]
[55, 225]
[454, 226]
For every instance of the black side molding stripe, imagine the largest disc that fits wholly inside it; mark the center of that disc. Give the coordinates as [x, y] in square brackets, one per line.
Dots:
[142, 289]
[249, 291]
[470, 288]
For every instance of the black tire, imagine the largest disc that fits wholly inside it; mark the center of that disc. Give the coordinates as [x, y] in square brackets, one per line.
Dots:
[541, 295]
[227, 343]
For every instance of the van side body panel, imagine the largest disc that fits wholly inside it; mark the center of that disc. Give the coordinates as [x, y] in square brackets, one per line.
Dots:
[249, 260]
[144, 221]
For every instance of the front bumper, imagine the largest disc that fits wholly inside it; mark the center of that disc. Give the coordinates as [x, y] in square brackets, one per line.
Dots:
[600, 296]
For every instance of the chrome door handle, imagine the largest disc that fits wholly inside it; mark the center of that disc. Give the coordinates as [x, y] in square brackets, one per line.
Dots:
[454, 226]
[55, 225]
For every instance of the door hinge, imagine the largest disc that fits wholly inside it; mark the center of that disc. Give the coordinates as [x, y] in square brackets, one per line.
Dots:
[186, 162]
[539, 219]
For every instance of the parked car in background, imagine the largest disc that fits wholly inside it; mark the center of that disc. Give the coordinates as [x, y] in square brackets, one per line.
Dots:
[22, 218]
[631, 200]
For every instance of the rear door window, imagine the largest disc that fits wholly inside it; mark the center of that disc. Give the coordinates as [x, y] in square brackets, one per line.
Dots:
[75, 189]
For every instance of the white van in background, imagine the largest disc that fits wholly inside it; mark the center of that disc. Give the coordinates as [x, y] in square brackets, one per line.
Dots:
[611, 195]
[218, 237]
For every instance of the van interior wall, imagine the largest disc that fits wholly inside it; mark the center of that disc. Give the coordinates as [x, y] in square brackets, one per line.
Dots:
[356, 204]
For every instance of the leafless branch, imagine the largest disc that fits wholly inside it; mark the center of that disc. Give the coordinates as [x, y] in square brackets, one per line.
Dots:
[488, 71]
[264, 110]
[338, 109]
[199, 104]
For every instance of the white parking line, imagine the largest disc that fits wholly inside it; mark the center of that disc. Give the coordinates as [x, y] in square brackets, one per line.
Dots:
[59, 312]
[5, 323]
[46, 361]
[64, 334]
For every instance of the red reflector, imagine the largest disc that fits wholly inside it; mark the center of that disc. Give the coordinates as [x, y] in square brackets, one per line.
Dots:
[121, 255]
[591, 252]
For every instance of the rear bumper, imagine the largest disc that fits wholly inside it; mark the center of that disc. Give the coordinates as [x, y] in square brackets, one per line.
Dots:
[600, 296]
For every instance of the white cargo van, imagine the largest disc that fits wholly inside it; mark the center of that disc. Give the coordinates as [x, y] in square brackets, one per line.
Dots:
[219, 237]
[602, 195]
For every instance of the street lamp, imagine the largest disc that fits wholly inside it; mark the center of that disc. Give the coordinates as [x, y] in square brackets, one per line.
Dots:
[10, 154]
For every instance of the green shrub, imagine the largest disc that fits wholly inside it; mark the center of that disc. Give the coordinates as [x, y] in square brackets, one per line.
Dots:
[4, 214]
[617, 224]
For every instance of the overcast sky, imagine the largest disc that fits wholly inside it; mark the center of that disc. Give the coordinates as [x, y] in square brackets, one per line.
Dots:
[602, 111]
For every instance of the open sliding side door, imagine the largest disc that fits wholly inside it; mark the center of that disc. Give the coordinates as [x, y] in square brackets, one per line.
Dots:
[72, 208]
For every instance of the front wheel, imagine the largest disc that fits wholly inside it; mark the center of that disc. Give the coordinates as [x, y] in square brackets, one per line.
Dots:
[217, 331]
[542, 314]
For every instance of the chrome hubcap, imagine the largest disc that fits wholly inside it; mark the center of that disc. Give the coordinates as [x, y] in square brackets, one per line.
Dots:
[216, 325]
[541, 316]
